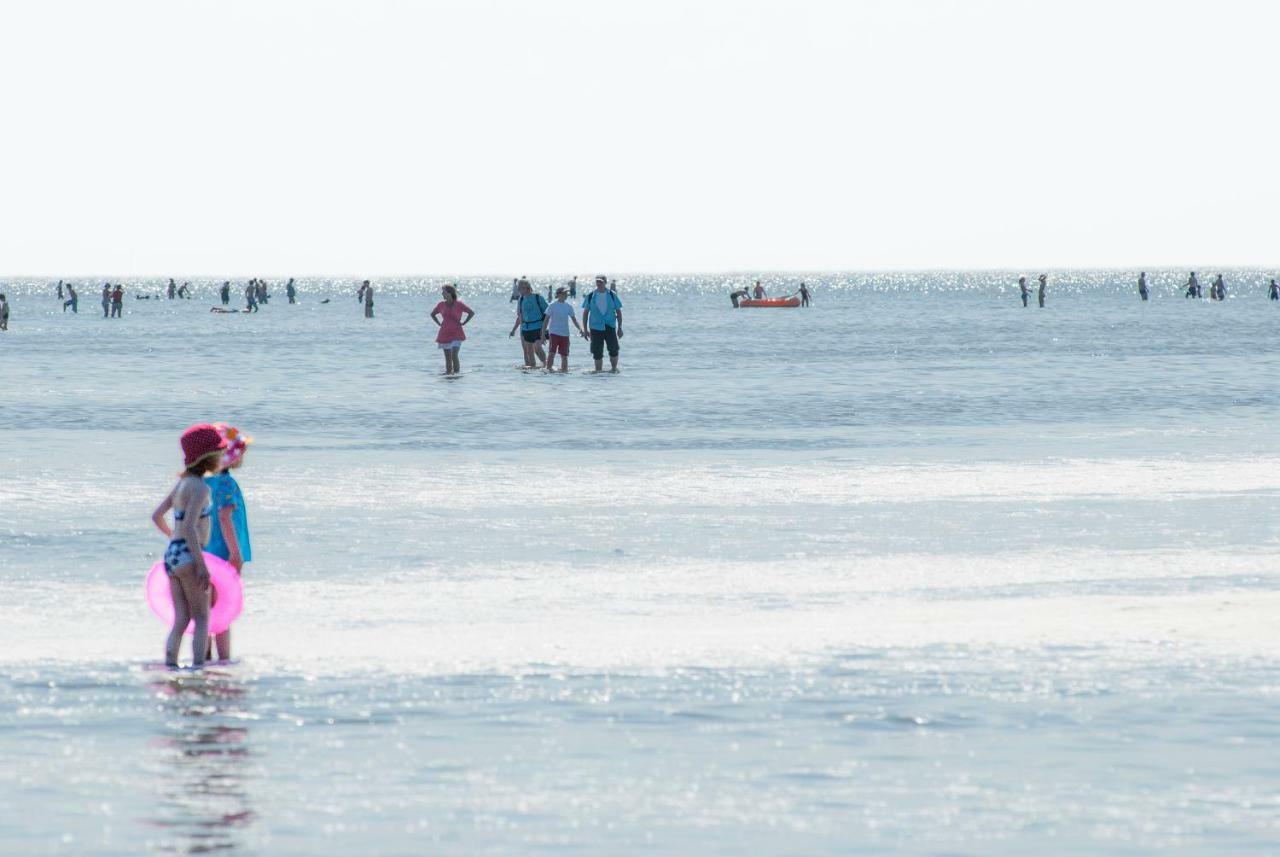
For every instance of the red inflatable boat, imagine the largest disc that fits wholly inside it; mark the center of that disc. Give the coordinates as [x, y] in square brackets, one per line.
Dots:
[767, 302]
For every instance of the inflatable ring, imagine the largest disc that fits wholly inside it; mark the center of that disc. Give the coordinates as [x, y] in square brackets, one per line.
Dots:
[227, 590]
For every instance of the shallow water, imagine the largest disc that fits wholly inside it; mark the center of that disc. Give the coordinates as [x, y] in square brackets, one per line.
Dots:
[914, 571]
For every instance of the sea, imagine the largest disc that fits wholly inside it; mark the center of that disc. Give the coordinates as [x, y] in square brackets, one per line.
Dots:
[914, 570]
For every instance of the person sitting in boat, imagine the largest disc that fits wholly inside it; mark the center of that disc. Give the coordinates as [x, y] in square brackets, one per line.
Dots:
[738, 295]
[758, 292]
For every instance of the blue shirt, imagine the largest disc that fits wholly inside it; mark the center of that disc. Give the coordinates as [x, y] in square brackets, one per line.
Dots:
[226, 492]
[532, 308]
[600, 319]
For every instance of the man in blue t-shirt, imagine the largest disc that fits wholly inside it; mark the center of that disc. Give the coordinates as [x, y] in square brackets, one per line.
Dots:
[602, 315]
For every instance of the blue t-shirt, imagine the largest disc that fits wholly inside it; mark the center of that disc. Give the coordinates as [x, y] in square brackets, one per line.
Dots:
[559, 314]
[603, 306]
[532, 308]
[226, 492]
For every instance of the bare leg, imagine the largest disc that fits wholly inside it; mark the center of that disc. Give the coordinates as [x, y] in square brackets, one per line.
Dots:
[448, 362]
[198, 603]
[528, 351]
[564, 363]
[181, 616]
[539, 353]
[613, 363]
[224, 645]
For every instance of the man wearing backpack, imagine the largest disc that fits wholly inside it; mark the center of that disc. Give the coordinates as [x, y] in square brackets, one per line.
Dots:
[602, 315]
[529, 314]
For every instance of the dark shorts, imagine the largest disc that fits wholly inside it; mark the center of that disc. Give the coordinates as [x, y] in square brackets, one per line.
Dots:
[532, 335]
[601, 338]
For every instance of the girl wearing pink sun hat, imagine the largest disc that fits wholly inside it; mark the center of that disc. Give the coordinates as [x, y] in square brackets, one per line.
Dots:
[229, 538]
[202, 450]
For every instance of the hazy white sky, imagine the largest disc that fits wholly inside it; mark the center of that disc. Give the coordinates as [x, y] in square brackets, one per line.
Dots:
[494, 136]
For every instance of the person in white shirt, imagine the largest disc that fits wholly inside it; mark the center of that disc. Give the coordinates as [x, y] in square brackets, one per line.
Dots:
[556, 330]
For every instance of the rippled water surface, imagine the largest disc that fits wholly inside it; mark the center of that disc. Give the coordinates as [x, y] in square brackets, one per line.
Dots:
[915, 571]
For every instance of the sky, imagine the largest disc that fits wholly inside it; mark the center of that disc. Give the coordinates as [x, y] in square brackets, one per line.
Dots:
[305, 137]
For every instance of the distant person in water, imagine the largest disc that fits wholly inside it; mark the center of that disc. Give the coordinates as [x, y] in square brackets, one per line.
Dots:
[556, 330]
[1193, 287]
[530, 311]
[1218, 291]
[73, 300]
[1273, 293]
[1142, 285]
[59, 289]
[291, 291]
[106, 299]
[117, 301]
[1044, 279]
[263, 295]
[4, 311]
[758, 292]
[250, 298]
[202, 449]
[184, 291]
[804, 295]
[738, 294]
[1023, 289]
[515, 290]
[368, 299]
[173, 289]
[451, 315]
[602, 315]
[573, 287]
[613, 286]
[225, 292]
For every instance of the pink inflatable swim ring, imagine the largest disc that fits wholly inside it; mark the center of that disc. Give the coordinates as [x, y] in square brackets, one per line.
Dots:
[228, 594]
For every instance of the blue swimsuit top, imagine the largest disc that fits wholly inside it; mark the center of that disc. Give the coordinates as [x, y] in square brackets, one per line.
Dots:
[179, 514]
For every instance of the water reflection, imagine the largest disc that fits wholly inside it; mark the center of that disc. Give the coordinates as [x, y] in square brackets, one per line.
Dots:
[204, 761]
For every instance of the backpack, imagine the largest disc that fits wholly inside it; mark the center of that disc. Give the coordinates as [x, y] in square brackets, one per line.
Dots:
[528, 323]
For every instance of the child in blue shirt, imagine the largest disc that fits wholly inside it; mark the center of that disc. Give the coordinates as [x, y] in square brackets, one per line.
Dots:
[229, 536]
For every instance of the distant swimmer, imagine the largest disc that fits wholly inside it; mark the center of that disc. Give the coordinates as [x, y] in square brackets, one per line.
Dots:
[73, 299]
[4, 310]
[1022, 287]
[291, 291]
[530, 312]
[173, 289]
[225, 293]
[739, 294]
[1142, 285]
[368, 299]
[758, 292]
[451, 315]
[1274, 292]
[1193, 287]
[250, 298]
[1044, 279]
[804, 294]
[106, 300]
[117, 301]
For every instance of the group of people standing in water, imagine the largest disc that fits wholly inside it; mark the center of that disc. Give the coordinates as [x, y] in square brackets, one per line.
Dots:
[1192, 288]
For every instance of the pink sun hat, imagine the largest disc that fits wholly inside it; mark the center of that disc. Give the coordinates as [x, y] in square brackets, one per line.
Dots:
[201, 441]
